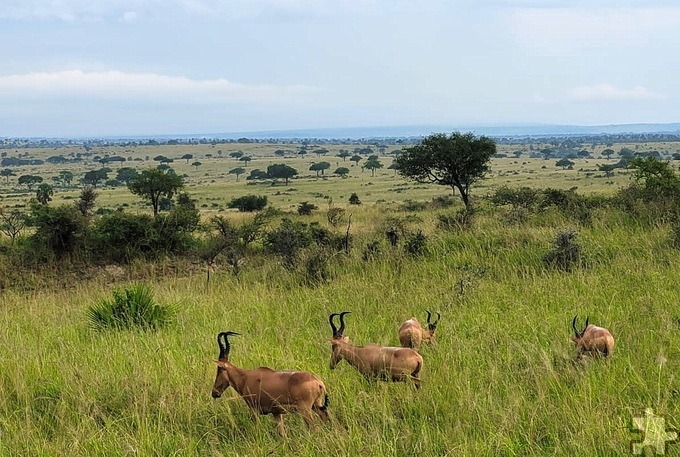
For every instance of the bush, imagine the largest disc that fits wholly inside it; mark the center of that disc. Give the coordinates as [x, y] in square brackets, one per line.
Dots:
[371, 251]
[287, 240]
[248, 203]
[566, 252]
[60, 229]
[306, 208]
[335, 216]
[132, 307]
[315, 266]
[354, 199]
[416, 244]
[457, 220]
[120, 237]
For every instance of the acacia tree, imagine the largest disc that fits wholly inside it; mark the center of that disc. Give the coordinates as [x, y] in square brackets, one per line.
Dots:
[154, 185]
[12, 223]
[281, 170]
[6, 172]
[319, 167]
[237, 171]
[29, 180]
[457, 160]
[373, 164]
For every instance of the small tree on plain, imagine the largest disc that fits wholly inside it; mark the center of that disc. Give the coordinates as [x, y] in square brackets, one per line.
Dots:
[457, 160]
[237, 171]
[155, 185]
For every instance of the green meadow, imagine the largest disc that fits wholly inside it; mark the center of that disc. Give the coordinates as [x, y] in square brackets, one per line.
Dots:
[502, 379]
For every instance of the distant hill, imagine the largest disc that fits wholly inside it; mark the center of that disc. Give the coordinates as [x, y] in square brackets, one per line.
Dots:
[406, 131]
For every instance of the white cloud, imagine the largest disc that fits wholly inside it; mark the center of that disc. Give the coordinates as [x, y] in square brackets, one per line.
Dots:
[571, 28]
[143, 86]
[94, 10]
[129, 17]
[608, 92]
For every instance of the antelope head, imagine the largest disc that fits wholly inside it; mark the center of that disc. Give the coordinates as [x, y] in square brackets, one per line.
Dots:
[338, 337]
[222, 378]
[431, 326]
[577, 337]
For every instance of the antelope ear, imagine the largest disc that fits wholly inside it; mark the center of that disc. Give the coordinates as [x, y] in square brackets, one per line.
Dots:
[221, 364]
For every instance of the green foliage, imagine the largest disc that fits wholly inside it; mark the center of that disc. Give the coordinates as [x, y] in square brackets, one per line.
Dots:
[132, 307]
[155, 185]
[524, 197]
[59, 229]
[566, 253]
[29, 180]
[373, 164]
[281, 171]
[121, 237]
[288, 240]
[564, 163]
[86, 201]
[354, 199]
[416, 243]
[248, 203]
[44, 194]
[341, 171]
[94, 177]
[319, 167]
[335, 216]
[306, 208]
[237, 171]
[126, 174]
[459, 220]
[458, 161]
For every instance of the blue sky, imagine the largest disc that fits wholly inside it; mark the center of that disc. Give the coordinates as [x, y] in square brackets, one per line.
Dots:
[135, 67]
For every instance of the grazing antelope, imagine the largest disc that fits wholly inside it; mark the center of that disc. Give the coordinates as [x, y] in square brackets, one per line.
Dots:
[271, 392]
[411, 333]
[373, 360]
[593, 340]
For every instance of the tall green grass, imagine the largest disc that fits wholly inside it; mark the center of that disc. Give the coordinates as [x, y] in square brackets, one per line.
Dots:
[501, 379]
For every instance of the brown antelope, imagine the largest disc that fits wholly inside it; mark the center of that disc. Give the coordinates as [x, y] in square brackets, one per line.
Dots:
[593, 340]
[372, 360]
[271, 392]
[411, 333]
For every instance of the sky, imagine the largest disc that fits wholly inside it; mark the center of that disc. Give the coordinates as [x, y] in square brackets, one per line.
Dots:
[153, 67]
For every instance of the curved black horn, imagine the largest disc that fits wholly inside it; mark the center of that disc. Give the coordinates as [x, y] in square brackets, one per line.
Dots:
[223, 343]
[341, 330]
[573, 325]
[333, 327]
[586, 327]
[429, 315]
[439, 316]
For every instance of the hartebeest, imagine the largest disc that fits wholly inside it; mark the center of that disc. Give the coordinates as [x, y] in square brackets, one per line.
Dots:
[271, 392]
[373, 360]
[411, 333]
[592, 340]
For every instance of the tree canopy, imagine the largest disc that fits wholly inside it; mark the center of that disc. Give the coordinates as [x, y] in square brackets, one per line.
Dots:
[282, 171]
[154, 185]
[457, 160]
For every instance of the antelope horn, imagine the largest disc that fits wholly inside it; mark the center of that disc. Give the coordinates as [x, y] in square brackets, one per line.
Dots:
[341, 330]
[336, 334]
[573, 325]
[225, 347]
[439, 316]
[429, 315]
[584, 328]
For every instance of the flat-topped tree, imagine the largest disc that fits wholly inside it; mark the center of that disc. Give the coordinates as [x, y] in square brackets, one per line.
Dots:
[155, 185]
[457, 160]
[319, 167]
[281, 171]
[237, 171]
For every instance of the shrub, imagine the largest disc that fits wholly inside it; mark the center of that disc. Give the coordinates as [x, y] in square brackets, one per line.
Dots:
[457, 220]
[371, 251]
[133, 307]
[306, 208]
[566, 252]
[416, 244]
[354, 199]
[335, 216]
[249, 203]
[287, 240]
[120, 237]
[60, 229]
[315, 266]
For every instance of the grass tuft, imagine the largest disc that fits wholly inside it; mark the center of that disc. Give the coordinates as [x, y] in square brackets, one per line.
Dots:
[132, 307]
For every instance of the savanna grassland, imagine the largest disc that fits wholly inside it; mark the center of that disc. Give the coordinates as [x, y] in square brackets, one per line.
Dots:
[501, 380]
